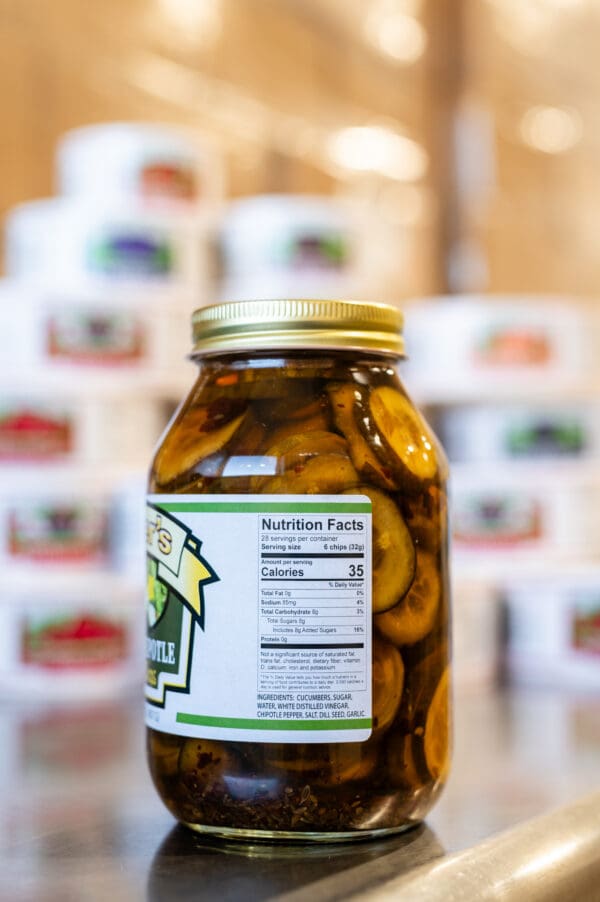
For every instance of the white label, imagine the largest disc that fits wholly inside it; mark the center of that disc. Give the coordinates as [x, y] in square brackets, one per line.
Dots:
[259, 617]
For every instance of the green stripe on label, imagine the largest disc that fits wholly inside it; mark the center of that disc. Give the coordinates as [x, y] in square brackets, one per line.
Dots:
[258, 507]
[248, 723]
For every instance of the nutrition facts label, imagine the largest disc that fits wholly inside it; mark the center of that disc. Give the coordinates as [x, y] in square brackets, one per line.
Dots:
[281, 649]
[314, 615]
[313, 610]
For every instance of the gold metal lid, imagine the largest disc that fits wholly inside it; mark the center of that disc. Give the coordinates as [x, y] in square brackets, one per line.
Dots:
[298, 324]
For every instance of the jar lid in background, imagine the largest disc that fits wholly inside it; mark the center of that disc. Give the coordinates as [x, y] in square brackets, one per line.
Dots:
[258, 325]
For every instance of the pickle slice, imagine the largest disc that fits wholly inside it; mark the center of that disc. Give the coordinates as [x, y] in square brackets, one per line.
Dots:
[401, 761]
[204, 761]
[404, 432]
[346, 404]
[414, 617]
[392, 549]
[299, 403]
[305, 759]
[405, 743]
[328, 474]
[202, 432]
[426, 518]
[325, 765]
[317, 422]
[163, 751]
[436, 742]
[352, 761]
[249, 438]
[296, 450]
[388, 682]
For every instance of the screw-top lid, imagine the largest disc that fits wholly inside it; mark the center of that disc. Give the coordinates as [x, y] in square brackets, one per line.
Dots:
[298, 324]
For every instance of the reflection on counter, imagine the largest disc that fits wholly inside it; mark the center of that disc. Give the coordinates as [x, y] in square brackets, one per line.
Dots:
[186, 866]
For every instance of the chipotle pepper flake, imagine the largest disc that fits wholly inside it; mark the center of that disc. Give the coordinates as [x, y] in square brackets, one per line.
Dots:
[229, 379]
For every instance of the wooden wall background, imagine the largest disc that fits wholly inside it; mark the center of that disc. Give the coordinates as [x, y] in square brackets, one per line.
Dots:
[269, 79]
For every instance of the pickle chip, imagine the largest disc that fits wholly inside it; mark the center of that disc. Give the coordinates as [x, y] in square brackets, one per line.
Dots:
[249, 438]
[392, 549]
[305, 759]
[410, 620]
[205, 761]
[346, 403]
[404, 432]
[352, 761]
[388, 682]
[325, 765]
[202, 432]
[328, 474]
[298, 403]
[296, 450]
[317, 422]
[426, 518]
[163, 751]
[401, 761]
[437, 740]
[405, 743]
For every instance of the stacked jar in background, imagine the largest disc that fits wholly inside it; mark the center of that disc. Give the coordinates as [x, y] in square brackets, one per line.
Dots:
[305, 246]
[94, 323]
[513, 388]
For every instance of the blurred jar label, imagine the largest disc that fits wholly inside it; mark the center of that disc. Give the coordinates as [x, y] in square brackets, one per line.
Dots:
[314, 250]
[61, 532]
[585, 623]
[34, 433]
[85, 640]
[496, 518]
[259, 617]
[94, 337]
[131, 254]
[509, 345]
[546, 436]
[166, 179]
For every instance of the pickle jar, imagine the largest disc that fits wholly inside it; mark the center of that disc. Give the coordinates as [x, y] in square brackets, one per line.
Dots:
[298, 604]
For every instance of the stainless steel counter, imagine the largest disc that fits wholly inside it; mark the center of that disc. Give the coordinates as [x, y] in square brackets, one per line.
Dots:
[79, 818]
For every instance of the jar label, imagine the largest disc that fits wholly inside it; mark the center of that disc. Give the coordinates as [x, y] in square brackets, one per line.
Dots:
[94, 337]
[496, 518]
[54, 531]
[167, 179]
[34, 433]
[131, 253]
[259, 617]
[66, 641]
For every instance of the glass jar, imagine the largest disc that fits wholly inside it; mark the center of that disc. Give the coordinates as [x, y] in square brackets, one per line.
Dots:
[298, 602]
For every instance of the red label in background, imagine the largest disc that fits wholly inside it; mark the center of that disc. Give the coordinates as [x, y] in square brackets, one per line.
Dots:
[514, 346]
[164, 180]
[58, 533]
[32, 434]
[86, 641]
[95, 338]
